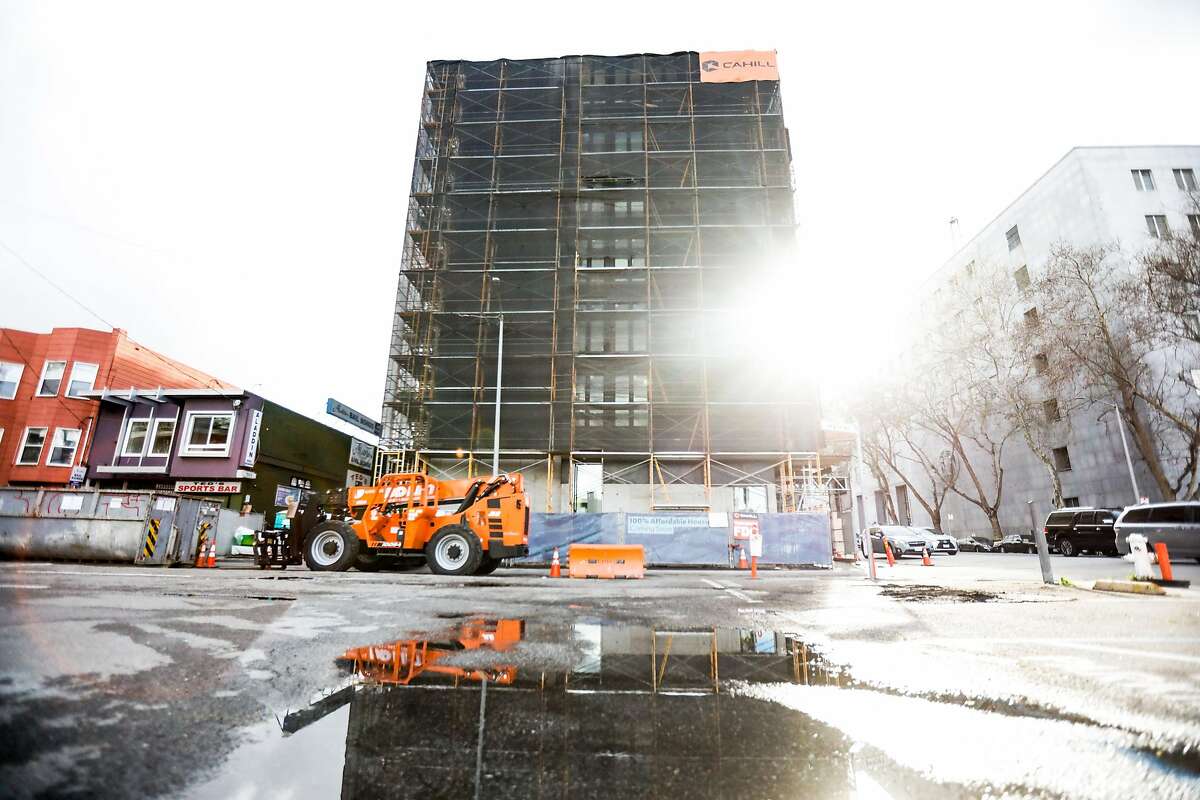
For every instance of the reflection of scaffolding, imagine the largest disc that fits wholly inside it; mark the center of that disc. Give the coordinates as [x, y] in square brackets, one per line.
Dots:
[621, 215]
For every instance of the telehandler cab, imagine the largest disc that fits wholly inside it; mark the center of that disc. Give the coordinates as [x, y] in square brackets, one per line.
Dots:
[460, 527]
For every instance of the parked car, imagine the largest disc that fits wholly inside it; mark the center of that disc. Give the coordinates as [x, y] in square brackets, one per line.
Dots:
[1017, 543]
[904, 541]
[972, 544]
[940, 542]
[1072, 531]
[1175, 524]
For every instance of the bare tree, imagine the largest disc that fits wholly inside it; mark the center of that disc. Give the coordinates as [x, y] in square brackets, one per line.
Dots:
[962, 411]
[999, 345]
[1108, 345]
[1171, 281]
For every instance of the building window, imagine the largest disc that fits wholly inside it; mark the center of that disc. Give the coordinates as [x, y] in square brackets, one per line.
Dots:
[135, 438]
[1041, 364]
[1050, 407]
[83, 379]
[160, 442]
[10, 379]
[52, 375]
[1185, 179]
[30, 451]
[1070, 502]
[1157, 225]
[62, 449]
[751, 498]
[1014, 238]
[1031, 318]
[1143, 180]
[208, 434]
[1193, 221]
[1021, 276]
[1062, 459]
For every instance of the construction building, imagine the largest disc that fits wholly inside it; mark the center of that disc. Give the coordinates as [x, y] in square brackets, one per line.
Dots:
[627, 220]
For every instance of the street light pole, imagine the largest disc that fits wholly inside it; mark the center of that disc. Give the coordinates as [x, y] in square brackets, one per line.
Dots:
[1137, 496]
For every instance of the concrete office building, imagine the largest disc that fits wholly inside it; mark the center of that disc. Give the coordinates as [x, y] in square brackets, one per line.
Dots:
[1093, 195]
[621, 215]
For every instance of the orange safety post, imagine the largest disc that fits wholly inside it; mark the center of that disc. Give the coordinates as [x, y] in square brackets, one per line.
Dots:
[1164, 561]
[887, 551]
[753, 567]
[606, 561]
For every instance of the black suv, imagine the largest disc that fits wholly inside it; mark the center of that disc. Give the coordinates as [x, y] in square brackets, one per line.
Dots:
[1074, 530]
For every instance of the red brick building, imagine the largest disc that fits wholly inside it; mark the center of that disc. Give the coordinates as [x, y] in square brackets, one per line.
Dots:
[45, 426]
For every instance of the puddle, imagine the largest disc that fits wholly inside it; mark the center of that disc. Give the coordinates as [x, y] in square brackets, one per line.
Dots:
[920, 593]
[509, 708]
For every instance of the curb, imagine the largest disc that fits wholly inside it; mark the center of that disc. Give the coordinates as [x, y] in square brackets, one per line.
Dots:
[1128, 587]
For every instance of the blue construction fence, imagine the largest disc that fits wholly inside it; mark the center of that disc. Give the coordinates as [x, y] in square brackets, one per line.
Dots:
[796, 539]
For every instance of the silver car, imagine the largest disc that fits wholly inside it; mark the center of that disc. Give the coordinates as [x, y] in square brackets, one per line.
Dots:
[1177, 525]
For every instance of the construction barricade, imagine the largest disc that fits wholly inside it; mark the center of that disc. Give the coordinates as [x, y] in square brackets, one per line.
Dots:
[606, 561]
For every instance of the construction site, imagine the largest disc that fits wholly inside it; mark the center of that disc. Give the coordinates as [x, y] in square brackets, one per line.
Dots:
[594, 238]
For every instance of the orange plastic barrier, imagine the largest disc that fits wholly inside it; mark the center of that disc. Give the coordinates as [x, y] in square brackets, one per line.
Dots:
[607, 561]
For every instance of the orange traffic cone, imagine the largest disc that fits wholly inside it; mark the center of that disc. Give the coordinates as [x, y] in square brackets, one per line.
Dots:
[212, 553]
[555, 566]
[742, 558]
[925, 558]
[887, 551]
[201, 552]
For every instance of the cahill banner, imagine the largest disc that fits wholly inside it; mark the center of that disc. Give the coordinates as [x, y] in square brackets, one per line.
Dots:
[735, 66]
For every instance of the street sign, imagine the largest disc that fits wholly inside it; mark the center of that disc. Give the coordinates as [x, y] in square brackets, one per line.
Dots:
[361, 454]
[355, 418]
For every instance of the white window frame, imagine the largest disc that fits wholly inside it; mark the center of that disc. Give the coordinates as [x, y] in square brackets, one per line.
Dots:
[1181, 178]
[174, 423]
[42, 379]
[71, 378]
[17, 382]
[189, 451]
[1153, 228]
[25, 441]
[1143, 179]
[125, 452]
[74, 450]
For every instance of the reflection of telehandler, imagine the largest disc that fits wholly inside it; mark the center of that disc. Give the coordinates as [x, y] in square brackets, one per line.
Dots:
[403, 661]
[461, 527]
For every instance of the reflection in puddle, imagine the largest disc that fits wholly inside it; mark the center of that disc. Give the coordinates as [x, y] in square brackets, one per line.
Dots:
[404, 661]
[635, 712]
[513, 709]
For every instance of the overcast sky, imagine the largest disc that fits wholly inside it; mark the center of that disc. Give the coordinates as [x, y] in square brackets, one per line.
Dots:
[228, 180]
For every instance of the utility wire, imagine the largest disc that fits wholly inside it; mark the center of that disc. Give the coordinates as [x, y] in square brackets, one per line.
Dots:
[209, 382]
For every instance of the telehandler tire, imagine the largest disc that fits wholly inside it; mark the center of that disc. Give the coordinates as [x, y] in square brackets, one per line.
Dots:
[454, 550]
[331, 547]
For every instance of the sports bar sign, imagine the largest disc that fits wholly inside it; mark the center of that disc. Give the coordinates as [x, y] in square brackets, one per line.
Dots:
[736, 66]
[208, 487]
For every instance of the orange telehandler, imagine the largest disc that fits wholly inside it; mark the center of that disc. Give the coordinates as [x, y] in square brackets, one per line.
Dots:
[461, 527]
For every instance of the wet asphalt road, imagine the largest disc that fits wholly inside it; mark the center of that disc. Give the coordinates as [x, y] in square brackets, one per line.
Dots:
[966, 679]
